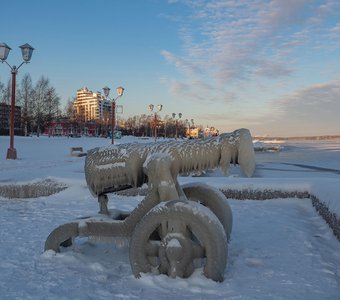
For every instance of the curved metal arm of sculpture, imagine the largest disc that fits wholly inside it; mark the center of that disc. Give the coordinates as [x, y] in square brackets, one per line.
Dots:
[114, 168]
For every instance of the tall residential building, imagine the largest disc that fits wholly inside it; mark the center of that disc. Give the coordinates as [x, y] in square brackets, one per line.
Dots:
[91, 106]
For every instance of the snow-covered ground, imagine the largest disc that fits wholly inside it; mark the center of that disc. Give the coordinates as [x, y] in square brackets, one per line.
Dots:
[280, 249]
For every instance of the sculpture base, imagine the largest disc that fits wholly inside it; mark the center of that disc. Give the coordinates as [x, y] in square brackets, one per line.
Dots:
[11, 153]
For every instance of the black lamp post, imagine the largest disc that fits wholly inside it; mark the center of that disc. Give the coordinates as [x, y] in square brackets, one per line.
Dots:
[188, 123]
[26, 51]
[120, 91]
[159, 108]
[174, 117]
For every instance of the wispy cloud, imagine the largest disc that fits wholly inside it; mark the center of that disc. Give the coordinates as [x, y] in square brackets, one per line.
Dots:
[334, 34]
[239, 54]
[228, 42]
[197, 90]
[186, 66]
[317, 103]
[312, 110]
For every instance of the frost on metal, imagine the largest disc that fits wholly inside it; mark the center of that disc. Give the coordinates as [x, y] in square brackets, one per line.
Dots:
[175, 228]
[116, 167]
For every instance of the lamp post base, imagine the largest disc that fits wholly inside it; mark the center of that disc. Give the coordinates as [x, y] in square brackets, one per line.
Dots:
[11, 153]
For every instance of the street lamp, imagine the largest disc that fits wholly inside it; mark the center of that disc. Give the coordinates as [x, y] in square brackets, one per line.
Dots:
[120, 91]
[193, 127]
[188, 123]
[159, 108]
[174, 117]
[26, 51]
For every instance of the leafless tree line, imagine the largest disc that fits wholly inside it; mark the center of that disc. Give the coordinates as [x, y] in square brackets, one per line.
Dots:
[39, 102]
[144, 125]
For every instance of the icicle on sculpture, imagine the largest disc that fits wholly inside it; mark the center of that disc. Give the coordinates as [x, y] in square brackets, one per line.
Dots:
[174, 229]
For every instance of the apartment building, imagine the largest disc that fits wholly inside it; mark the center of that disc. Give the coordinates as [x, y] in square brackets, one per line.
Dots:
[5, 112]
[91, 105]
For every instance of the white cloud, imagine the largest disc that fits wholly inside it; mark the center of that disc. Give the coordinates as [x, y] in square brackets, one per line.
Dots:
[237, 47]
[334, 34]
[313, 110]
[198, 90]
[228, 41]
[186, 66]
[273, 69]
[319, 102]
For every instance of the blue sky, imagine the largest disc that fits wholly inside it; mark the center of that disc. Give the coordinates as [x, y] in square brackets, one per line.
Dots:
[270, 66]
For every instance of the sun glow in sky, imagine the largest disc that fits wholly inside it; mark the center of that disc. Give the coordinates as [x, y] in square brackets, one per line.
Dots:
[270, 66]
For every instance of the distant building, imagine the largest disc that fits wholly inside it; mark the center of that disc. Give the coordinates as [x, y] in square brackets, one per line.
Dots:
[66, 127]
[90, 106]
[5, 119]
[192, 132]
[210, 131]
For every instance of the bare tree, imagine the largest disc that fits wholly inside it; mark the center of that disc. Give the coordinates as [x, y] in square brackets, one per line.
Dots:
[40, 95]
[51, 105]
[2, 92]
[39, 104]
[68, 111]
[25, 99]
[6, 93]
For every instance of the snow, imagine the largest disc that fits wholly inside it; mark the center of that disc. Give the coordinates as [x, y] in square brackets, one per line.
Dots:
[173, 243]
[279, 249]
[113, 165]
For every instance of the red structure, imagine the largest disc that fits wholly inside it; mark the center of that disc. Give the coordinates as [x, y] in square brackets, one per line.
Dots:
[66, 127]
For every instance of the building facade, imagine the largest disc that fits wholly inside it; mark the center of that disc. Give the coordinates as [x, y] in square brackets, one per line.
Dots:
[67, 127]
[5, 113]
[192, 132]
[211, 131]
[91, 106]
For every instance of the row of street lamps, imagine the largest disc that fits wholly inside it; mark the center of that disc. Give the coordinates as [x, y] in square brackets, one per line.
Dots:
[159, 108]
[26, 51]
[174, 117]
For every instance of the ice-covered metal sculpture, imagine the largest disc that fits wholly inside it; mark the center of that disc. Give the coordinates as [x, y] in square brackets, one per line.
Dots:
[175, 228]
